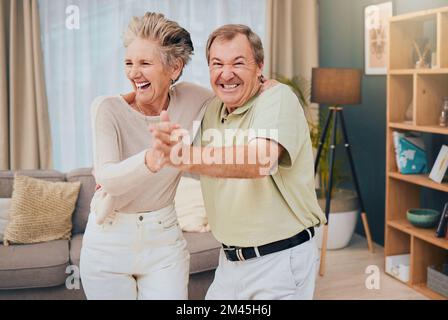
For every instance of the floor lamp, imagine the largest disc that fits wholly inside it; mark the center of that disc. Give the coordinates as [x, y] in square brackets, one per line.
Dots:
[336, 87]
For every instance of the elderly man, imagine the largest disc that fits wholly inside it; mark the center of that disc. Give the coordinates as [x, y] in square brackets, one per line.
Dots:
[255, 160]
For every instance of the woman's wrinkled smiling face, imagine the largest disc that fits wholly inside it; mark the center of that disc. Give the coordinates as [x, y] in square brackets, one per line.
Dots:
[149, 76]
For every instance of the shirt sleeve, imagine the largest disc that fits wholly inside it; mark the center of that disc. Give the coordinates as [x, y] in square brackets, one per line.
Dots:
[115, 175]
[279, 117]
[194, 105]
[195, 132]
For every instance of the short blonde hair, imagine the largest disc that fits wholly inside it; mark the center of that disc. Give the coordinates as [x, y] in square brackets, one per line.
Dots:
[175, 42]
[230, 31]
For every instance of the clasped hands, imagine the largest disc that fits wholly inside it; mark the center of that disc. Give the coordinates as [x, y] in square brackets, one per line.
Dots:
[168, 148]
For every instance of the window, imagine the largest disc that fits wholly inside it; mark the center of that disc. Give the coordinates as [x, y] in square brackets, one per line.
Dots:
[86, 62]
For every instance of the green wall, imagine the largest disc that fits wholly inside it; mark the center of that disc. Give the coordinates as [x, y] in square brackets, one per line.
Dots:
[342, 45]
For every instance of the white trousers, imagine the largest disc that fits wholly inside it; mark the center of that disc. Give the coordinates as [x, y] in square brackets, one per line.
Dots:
[287, 274]
[135, 256]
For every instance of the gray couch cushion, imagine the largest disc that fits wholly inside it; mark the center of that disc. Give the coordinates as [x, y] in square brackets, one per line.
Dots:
[34, 266]
[75, 249]
[7, 179]
[204, 251]
[82, 210]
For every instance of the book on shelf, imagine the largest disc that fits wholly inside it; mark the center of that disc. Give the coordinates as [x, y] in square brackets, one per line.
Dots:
[441, 227]
[439, 169]
[410, 153]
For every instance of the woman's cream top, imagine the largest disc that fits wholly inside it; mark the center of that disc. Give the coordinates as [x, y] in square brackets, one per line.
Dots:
[121, 139]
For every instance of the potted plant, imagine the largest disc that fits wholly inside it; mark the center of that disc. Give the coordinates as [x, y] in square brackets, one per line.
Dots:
[344, 206]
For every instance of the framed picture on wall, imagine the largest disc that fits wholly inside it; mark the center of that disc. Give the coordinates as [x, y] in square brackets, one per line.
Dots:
[376, 37]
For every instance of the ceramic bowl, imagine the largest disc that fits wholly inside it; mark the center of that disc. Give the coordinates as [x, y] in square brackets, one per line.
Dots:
[423, 218]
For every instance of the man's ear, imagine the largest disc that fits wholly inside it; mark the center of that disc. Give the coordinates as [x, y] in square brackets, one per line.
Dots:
[260, 70]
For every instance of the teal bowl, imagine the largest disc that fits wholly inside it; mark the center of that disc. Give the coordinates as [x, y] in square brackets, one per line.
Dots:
[423, 218]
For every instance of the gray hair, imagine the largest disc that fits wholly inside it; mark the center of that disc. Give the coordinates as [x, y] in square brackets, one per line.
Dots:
[174, 41]
[230, 31]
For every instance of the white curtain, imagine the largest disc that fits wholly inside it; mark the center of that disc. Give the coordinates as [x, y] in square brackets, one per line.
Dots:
[293, 37]
[83, 63]
[25, 139]
[293, 41]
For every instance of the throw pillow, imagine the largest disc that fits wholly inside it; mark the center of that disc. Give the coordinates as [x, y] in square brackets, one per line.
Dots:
[40, 210]
[5, 204]
[190, 206]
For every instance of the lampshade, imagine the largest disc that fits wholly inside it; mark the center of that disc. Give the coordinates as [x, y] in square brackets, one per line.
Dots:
[336, 86]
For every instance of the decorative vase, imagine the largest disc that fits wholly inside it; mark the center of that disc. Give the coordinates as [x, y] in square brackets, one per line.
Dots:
[421, 53]
[409, 115]
[342, 221]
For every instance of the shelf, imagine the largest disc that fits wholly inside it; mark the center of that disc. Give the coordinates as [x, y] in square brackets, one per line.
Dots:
[402, 72]
[420, 180]
[427, 235]
[418, 16]
[411, 127]
[432, 71]
[420, 91]
[418, 71]
[423, 289]
[398, 279]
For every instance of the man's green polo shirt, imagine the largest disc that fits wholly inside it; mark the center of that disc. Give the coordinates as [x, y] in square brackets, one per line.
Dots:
[253, 212]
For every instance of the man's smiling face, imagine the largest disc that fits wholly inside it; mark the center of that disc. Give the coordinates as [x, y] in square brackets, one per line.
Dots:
[234, 73]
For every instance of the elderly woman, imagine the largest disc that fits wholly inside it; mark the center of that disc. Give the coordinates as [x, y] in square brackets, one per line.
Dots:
[133, 247]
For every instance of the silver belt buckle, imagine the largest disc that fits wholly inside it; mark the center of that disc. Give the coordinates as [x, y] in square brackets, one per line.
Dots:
[239, 254]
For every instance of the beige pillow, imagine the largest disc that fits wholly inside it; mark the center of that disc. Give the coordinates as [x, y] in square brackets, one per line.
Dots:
[5, 204]
[40, 210]
[190, 206]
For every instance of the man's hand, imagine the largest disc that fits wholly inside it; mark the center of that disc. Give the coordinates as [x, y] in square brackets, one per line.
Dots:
[129, 97]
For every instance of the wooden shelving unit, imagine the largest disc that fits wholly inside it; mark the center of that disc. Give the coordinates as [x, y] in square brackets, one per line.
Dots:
[426, 88]
[411, 127]
[420, 180]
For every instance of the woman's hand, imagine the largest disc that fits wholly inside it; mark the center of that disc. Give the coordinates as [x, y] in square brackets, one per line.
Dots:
[268, 84]
[129, 97]
[168, 141]
[154, 160]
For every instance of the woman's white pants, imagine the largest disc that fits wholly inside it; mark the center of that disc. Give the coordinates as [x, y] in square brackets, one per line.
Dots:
[135, 256]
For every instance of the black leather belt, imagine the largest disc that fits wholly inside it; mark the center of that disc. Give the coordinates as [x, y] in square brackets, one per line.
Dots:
[240, 254]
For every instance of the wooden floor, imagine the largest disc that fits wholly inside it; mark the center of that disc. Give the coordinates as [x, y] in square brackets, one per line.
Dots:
[346, 276]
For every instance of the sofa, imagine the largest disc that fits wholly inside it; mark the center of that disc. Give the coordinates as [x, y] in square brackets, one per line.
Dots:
[40, 271]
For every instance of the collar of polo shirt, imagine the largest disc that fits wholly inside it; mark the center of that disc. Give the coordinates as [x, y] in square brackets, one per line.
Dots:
[238, 111]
